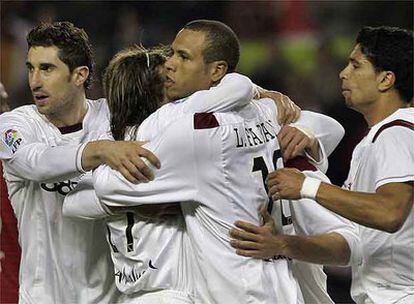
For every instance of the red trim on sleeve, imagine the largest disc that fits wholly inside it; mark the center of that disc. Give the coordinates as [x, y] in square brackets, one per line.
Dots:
[301, 163]
[398, 122]
[205, 121]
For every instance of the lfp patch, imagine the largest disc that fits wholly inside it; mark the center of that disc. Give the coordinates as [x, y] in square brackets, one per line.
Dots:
[12, 140]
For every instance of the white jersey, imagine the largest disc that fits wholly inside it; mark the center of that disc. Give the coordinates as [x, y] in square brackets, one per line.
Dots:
[385, 155]
[63, 260]
[218, 172]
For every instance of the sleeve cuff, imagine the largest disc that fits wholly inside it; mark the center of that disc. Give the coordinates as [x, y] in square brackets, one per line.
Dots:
[79, 158]
[353, 241]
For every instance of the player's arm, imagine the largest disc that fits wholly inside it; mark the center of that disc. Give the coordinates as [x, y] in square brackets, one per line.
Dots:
[313, 135]
[386, 209]
[232, 92]
[235, 91]
[175, 181]
[123, 156]
[82, 202]
[265, 242]
[29, 159]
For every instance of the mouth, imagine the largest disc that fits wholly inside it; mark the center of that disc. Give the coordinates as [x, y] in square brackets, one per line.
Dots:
[168, 82]
[40, 98]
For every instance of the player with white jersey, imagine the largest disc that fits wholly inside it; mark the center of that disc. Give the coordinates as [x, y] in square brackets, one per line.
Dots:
[378, 194]
[54, 266]
[44, 149]
[385, 155]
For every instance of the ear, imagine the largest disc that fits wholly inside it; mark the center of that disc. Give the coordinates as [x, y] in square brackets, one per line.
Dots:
[386, 80]
[80, 74]
[217, 70]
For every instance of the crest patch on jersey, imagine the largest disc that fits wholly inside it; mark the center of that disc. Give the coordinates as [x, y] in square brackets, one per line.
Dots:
[12, 140]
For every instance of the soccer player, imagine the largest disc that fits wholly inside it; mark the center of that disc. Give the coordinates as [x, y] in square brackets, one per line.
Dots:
[378, 193]
[44, 149]
[216, 189]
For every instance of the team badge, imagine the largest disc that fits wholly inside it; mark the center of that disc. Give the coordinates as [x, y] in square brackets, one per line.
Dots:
[12, 140]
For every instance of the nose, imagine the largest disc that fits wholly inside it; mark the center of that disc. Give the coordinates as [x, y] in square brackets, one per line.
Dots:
[35, 81]
[170, 64]
[344, 73]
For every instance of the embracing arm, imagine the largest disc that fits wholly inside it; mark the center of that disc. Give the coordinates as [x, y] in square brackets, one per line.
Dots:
[234, 91]
[175, 181]
[265, 242]
[29, 158]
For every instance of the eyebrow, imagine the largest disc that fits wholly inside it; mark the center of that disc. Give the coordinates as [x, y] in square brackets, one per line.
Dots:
[42, 65]
[353, 60]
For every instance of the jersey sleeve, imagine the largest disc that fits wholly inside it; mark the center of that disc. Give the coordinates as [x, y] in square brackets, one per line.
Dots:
[394, 156]
[175, 181]
[310, 218]
[27, 158]
[233, 91]
[325, 128]
[327, 131]
[82, 202]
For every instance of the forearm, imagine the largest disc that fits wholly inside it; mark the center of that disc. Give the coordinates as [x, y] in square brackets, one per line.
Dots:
[326, 249]
[91, 156]
[45, 164]
[368, 209]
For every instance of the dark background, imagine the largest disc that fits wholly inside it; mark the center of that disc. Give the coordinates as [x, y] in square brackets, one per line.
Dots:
[296, 47]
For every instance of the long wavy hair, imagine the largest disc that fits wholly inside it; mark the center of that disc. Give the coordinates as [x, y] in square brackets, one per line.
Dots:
[134, 87]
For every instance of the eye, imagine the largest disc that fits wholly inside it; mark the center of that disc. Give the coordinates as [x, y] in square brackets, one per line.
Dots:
[47, 69]
[184, 56]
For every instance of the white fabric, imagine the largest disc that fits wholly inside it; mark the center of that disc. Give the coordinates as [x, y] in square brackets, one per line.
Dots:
[214, 167]
[63, 260]
[386, 274]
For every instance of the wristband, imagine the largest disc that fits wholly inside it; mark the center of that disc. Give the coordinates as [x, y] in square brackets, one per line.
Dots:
[310, 188]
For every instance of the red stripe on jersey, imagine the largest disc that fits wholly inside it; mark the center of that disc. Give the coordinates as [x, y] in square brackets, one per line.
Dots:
[70, 129]
[9, 276]
[301, 163]
[398, 122]
[205, 121]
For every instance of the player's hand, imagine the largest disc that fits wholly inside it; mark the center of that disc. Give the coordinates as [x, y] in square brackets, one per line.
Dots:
[287, 110]
[125, 157]
[295, 142]
[285, 183]
[262, 242]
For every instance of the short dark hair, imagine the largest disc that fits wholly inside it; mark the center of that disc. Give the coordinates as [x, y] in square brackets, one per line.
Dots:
[222, 42]
[133, 87]
[73, 43]
[390, 49]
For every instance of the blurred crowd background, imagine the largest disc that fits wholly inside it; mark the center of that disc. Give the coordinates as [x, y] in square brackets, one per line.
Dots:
[295, 47]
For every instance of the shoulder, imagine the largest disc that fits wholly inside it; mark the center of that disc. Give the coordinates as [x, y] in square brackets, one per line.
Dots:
[98, 105]
[20, 116]
[400, 123]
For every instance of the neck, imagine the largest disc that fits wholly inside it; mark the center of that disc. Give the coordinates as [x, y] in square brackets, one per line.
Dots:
[73, 114]
[385, 106]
